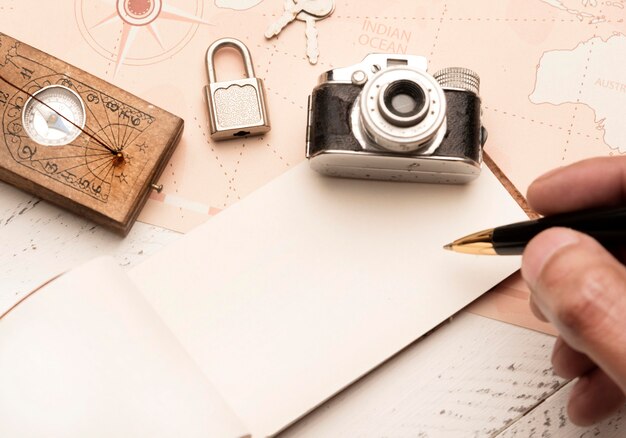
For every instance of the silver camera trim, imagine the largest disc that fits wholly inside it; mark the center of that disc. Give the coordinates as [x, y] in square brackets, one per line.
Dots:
[402, 139]
[371, 64]
[370, 145]
[423, 169]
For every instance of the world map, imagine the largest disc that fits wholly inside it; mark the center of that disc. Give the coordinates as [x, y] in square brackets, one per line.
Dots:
[574, 108]
[599, 87]
[553, 76]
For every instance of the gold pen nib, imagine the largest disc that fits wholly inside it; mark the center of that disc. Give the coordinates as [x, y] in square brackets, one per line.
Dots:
[477, 243]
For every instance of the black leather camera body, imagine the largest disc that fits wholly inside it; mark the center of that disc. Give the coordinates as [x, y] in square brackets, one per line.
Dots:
[387, 118]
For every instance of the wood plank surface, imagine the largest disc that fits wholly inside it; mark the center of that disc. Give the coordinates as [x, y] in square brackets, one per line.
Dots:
[549, 420]
[472, 377]
[39, 241]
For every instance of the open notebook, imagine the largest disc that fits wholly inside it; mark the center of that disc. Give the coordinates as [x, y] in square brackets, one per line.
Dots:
[253, 319]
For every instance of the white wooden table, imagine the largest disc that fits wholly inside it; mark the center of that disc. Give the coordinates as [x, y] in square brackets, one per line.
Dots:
[472, 377]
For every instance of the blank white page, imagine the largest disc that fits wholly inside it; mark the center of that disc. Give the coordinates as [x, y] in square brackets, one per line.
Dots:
[295, 292]
[86, 356]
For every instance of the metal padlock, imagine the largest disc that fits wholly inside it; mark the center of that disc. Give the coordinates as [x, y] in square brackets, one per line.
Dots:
[236, 108]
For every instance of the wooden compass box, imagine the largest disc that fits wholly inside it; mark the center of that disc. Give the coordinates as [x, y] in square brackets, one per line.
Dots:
[106, 173]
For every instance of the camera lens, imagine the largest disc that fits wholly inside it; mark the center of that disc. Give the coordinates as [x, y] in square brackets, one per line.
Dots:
[402, 109]
[404, 99]
[403, 103]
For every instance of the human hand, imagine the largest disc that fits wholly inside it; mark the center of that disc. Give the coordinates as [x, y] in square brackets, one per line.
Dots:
[580, 287]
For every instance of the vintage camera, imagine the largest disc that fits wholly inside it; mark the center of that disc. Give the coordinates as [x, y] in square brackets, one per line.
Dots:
[387, 118]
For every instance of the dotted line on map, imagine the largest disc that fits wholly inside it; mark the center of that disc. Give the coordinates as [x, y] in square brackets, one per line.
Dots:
[477, 19]
[293, 103]
[542, 123]
[174, 182]
[283, 97]
[269, 63]
[580, 92]
[231, 181]
[438, 31]
[450, 19]
[280, 157]
[275, 152]
[217, 158]
[570, 131]
[279, 95]
[117, 42]
[277, 51]
[6, 7]
[274, 51]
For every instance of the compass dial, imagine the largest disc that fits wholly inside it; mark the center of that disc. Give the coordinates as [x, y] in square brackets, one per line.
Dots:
[54, 116]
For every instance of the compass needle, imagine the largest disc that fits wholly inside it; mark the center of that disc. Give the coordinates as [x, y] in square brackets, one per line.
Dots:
[55, 122]
[45, 112]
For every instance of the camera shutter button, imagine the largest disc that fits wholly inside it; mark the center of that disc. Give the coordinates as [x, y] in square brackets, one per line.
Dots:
[359, 77]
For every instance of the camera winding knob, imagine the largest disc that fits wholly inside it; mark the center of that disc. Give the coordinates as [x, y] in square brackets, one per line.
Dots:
[459, 77]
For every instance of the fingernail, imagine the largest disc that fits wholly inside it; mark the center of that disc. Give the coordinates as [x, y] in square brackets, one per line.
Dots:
[581, 386]
[534, 307]
[542, 248]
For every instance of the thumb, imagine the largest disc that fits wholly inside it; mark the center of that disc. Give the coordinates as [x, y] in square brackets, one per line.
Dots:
[581, 289]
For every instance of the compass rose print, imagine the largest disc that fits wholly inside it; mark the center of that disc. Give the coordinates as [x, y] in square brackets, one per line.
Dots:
[138, 32]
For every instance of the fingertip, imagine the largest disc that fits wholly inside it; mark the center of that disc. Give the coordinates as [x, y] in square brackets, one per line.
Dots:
[536, 188]
[602, 180]
[577, 406]
[541, 192]
[594, 397]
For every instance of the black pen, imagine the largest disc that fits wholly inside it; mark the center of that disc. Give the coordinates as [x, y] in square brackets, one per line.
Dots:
[607, 226]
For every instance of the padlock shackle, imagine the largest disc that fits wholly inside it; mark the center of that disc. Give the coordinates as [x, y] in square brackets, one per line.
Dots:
[223, 43]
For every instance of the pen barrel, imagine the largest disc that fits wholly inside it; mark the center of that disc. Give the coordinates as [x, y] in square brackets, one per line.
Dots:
[608, 227]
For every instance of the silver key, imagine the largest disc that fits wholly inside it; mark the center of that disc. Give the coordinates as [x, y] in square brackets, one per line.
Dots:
[312, 11]
[320, 9]
[308, 11]
[291, 11]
